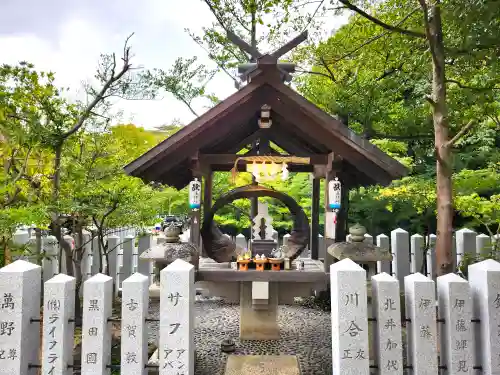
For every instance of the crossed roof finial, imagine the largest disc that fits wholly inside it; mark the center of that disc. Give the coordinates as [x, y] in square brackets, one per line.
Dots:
[284, 68]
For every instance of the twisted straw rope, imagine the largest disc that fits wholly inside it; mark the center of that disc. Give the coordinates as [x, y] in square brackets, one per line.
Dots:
[268, 158]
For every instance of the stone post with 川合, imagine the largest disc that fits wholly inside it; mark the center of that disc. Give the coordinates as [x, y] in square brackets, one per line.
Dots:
[20, 287]
[455, 314]
[387, 312]
[96, 332]
[484, 280]
[420, 300]
[134, 338]
[177, 294]
[349, 319]
[58, 325]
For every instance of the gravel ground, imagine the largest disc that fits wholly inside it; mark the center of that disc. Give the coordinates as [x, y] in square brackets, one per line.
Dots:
[305, 332]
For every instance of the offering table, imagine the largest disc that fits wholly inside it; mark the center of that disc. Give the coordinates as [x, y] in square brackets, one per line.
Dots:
[260, 292]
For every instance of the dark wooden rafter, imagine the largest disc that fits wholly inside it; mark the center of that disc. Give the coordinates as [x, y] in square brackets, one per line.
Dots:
[274, 150]
[245, 142]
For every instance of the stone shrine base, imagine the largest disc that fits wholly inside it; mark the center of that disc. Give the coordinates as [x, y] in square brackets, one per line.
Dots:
[262, 365]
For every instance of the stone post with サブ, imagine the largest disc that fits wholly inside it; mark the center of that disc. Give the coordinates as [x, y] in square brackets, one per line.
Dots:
[177, 294]
[349, 319]
[96, 332]
[484, 280]
[455, 314]
[20, 287]
[387, 312]
[420, 300]
[134, 338]
[58, 325]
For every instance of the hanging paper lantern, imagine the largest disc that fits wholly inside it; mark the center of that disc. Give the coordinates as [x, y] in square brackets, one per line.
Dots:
[334, 196]
[195, 194]
[284, 172]
[274, 169]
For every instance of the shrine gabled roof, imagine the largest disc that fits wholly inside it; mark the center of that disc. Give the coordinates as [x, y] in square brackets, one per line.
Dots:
[235, 119]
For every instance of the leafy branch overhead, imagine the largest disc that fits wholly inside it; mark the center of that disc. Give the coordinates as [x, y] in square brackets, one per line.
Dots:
[186, 80]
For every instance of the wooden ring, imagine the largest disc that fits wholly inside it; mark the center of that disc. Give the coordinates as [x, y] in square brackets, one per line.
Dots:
[221, 249]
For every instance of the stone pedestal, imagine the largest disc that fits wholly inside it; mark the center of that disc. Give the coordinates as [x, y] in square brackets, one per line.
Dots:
[265, 247]
[258, 321]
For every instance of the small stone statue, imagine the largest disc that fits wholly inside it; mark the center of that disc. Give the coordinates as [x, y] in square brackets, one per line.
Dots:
[277, 253]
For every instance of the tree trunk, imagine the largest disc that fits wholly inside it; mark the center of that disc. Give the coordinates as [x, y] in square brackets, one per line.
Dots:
[38, 246]
[444, 187]
[79, 244]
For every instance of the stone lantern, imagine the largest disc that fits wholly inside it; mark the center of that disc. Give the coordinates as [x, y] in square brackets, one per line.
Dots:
[165, 253]
[365, 254]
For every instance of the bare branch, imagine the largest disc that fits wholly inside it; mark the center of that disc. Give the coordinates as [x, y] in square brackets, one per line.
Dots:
[380, 23]
[460, 134]
[314, 73]
[475, 88]
[375, 38]
[101, 95]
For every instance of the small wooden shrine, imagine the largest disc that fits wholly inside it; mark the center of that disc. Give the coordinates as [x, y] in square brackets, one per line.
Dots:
[263, 114]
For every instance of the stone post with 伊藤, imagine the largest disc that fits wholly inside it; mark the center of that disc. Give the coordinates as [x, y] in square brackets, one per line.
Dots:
[455, 313]
[58, 325]
[349, 319]
[420, 300]
[20, 288]
[96, 330]
[177, 295]
[484, 279]
[134, 335]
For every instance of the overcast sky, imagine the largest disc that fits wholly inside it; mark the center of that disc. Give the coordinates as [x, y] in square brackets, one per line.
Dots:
[67, 37]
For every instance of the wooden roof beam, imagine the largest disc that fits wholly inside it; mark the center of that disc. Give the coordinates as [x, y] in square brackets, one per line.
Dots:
[229, 159]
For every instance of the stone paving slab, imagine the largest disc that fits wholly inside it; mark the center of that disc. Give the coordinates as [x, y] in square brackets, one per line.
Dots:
[262, 365]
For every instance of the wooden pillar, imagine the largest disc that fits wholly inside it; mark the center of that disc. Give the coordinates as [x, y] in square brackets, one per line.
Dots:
[315, 217]
[207, 191]
[330, 174]
[207, 198]
[342, 215]
[254, 202]
[194, 235]
[334, 169]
